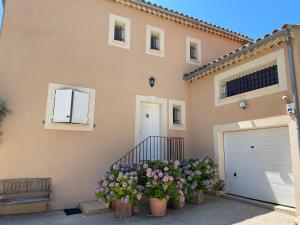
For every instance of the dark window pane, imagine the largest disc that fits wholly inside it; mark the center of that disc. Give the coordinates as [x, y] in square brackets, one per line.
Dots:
[193, 52]
[119, 33]
[176, 115]
[155, 42]
[256, 80]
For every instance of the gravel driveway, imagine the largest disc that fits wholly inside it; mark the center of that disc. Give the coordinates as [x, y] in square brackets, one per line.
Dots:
[215, 211]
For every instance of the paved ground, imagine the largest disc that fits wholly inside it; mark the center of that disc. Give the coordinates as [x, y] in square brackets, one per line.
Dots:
[215, 211]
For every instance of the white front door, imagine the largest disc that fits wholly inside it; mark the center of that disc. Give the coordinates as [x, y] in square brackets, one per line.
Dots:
[150, 126]
[258, 165]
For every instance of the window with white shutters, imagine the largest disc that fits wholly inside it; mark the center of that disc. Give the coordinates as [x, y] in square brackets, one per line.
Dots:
[62, 106]
[80, 107]
[71, 107]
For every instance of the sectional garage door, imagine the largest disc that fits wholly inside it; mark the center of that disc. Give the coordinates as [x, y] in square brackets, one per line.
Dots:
[258, 165]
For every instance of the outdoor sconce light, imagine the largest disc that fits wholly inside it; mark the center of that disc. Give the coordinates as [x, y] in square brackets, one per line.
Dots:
[243, 104]
[152, 81]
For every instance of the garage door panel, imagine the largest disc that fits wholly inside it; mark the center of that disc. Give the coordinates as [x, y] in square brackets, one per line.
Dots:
[259, 167]
[245, 189]
[259, 149]
[280, 131]
[260, 140]
[257, 159]
[261, 160]
[260, 176]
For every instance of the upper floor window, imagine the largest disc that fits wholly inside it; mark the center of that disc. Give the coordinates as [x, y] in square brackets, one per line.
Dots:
[119, 31]
[193, 51]
[261, 76]
[155, 41]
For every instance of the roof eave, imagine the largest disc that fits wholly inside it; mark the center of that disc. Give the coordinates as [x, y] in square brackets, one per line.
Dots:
[251, 47]
[240, 36]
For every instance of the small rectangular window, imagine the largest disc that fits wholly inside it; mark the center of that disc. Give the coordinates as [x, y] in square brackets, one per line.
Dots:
[177, 115]
[119, 31]
[155, 41]
[155, 45]
[119, 34]
[193, 51]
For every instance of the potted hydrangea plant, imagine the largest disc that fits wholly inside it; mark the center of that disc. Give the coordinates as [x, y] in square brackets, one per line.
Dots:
[219, 187]
[159, 184]
[199, 177]
[176, 196]
[122, 187]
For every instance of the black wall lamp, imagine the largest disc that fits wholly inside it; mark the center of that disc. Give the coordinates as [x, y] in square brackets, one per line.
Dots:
[152, 81]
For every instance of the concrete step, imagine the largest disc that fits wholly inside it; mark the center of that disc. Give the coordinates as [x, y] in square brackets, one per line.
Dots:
[93, 207]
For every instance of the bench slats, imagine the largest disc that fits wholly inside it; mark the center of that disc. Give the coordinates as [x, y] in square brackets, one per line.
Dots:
[28, 185]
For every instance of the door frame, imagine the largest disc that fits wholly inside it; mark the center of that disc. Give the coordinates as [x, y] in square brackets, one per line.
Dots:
[163, 102]
[270, 122]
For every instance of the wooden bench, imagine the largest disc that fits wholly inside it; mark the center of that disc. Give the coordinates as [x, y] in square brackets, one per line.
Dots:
[18, 196]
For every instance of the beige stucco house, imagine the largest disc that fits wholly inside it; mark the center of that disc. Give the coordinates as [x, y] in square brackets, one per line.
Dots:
[217, 89]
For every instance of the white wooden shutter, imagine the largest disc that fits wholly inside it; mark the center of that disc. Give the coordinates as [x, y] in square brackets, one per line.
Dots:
[80, 107]
[62, 106]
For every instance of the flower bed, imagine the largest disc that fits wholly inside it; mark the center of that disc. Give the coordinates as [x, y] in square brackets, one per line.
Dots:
[161, 182]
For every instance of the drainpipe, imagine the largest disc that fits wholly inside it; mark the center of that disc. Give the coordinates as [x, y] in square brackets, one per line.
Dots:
[294, 84]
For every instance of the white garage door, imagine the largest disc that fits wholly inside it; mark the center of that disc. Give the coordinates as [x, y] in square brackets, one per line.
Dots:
[258, 165]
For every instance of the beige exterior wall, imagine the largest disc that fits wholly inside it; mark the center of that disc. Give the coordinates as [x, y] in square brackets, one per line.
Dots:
[66, 42]
[271, 108]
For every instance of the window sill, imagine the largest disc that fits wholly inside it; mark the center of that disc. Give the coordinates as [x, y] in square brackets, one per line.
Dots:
[249, 95]
[120, 44]
[193, 61]
[155, 52]
[177, 127]
[67, 126]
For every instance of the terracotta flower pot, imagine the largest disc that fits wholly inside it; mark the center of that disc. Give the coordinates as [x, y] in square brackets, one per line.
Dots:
[158, 207]
[123, 209]
[199, 198]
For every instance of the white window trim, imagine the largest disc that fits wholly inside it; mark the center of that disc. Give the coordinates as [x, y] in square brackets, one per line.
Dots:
[173, 126]
[149, 51]
[64, 126]
[190, 40]
[111, 40]
[277, 57]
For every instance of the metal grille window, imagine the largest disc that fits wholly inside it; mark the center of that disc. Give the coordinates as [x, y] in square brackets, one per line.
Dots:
[119, 34]
[155, 42]
[256, 80]
[193, 51]
[177, 115]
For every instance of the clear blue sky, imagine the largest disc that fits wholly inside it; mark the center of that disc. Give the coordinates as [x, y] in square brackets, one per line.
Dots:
[254, 18]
